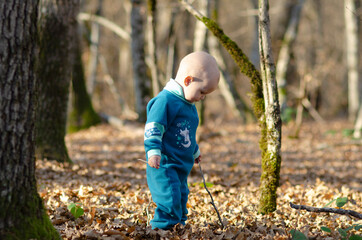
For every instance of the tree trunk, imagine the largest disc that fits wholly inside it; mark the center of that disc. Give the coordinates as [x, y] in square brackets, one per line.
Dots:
[271, 136]
[200, 44]
[152, 43]
[82, 115]
[266, 108]
[54, 73]
[246, 67]
[226, 84]
[94, 46]
[285, 53]
[254, 55]
[22, 214]
[352, 57]
[140, 78]
[357, 133]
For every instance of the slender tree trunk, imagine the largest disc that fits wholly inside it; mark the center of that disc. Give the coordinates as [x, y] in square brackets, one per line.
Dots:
[352, 57]
[140, 78]
[357, 133]
[226, 84]
[200, 44]
[266, 108]
[246, 67]
[54, 72]
[271, 137]
[82, 115]
[152, 43]
[170, 66]
[254, 56]
[285, 52]
[94, 46]
[22, 214]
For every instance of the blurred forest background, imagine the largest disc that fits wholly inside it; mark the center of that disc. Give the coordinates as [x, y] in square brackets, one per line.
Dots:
[317, 56]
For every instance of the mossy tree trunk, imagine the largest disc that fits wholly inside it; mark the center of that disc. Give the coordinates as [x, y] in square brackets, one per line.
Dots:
[266, 109]
[246, 67]
[82, 114]
[54, 69]
[226, 84]
[271, 133]
[22, 214]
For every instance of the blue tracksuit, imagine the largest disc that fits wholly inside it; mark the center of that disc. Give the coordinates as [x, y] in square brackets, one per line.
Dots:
[170, 132]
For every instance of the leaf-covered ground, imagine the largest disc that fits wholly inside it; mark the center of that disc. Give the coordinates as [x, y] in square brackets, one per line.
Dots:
[110, 183]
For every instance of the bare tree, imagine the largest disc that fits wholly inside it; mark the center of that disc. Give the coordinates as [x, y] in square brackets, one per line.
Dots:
[200, 44]
[226, 85]
[285, 52]
[22, 214]
[140, 78]
[357, 133]
[264, 98]
[94, 52]
[82, 114]
[54, 70]
[271, 136]
[352, 57]
[152, 23]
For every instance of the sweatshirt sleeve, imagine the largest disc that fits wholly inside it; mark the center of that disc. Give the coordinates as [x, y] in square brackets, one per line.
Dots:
[197, 152]
[155, 127]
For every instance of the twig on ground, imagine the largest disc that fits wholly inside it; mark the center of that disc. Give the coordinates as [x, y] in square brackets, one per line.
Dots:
[212, 200]
[329, 210]
[148, 211]
[139, 159]
[298, 216]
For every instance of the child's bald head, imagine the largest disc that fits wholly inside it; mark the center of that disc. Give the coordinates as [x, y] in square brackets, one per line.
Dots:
[198, 71]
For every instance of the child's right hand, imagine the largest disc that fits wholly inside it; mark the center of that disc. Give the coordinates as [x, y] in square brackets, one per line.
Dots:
[154, 161]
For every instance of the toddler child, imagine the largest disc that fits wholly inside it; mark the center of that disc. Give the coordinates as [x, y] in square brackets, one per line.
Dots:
[170, 136]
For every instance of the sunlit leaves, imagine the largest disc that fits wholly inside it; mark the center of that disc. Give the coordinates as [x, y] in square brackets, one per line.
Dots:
[112, 187]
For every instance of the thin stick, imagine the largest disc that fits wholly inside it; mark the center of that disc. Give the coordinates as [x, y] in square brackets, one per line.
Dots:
[141, 160]
[328, 210]
[212, 200]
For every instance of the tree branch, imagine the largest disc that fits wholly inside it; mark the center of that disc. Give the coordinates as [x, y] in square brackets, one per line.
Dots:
[328, 210]
[105, 23]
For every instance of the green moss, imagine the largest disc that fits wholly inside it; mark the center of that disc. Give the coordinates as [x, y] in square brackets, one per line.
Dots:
[32, 228]
[151, 6]
[30, 221]
[270, 163]
[245, 66]
[82, 115]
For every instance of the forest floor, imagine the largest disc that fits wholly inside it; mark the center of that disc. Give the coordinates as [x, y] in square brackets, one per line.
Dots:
[110, 184]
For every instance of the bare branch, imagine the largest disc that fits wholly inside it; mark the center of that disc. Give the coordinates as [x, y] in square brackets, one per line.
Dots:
[105, 23]
[328, 210]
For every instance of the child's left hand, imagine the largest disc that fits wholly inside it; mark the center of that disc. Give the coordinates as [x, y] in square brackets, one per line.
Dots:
[198, 159]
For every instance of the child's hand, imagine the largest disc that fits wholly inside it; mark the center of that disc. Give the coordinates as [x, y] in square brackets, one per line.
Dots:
[198, 159]
[154, 161]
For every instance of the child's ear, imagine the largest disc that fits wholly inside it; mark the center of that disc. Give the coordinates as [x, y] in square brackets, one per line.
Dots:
[188, 80]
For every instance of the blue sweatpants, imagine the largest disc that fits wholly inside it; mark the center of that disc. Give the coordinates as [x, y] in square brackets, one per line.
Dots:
[169, 190]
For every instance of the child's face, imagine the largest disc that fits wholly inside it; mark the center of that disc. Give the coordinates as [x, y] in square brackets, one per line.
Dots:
[198, 89]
